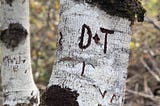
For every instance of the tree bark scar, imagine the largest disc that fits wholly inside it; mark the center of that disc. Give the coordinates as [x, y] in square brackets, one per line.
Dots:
[83, 68]
[96, 38]
[9, 2]
[130, 9]
[102, 94]
[13, 36]
[106, 31]
[57, 96]
[82, 37]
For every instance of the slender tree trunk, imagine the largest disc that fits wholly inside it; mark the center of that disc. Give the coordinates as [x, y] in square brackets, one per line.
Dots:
[91, 58]
[17, 80]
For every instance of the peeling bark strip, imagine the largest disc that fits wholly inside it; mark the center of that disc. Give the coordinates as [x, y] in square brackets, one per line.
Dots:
[82, 37]
[12, 36]
[9, 2]
[122, 8]
[57, 96]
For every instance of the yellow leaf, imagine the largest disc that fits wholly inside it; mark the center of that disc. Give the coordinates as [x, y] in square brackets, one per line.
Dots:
[132, 45]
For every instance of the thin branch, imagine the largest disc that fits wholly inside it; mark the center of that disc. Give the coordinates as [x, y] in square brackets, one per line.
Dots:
[150, 70]
[154, 64]
[153, 22]
[154, 98]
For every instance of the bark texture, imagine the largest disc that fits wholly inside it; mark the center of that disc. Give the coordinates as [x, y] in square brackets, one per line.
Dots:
[130, 9]
[17, 80]
[92, 56]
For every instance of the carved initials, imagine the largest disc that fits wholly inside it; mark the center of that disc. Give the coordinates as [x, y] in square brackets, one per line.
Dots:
[96, 37]
[102, 94]
[106, 31]
[82, 37]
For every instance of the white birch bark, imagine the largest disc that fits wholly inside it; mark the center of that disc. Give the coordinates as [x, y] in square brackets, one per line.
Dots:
[103, 81]
[17, 80]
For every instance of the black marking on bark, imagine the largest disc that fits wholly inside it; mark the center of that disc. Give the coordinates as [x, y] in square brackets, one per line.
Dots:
[23, 61]
[33, 100]
[82, 37]
[25, 71]
[60, 40]
[9, 2]
[23, 1]
[32, 92]
[106, 31]
[94, 86]
[83, 68]
[102, 94]
[122, 8]
[96, 38]
[13, 36]
[99, 105]
[105, 44]
[103, 30]
[112, 98]
[59, 43]
[57, 96]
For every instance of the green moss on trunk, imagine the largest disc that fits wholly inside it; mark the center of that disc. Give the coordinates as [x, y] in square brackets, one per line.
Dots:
[130, 9]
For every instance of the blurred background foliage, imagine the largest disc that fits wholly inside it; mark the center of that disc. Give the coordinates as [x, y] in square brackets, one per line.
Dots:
[44, 18]
[143, 83]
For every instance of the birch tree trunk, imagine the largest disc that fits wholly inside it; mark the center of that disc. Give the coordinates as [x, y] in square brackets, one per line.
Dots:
[17, 80]
[91, 58]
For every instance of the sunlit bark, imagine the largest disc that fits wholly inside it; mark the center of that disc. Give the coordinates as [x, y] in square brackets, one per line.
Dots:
[19, 88]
